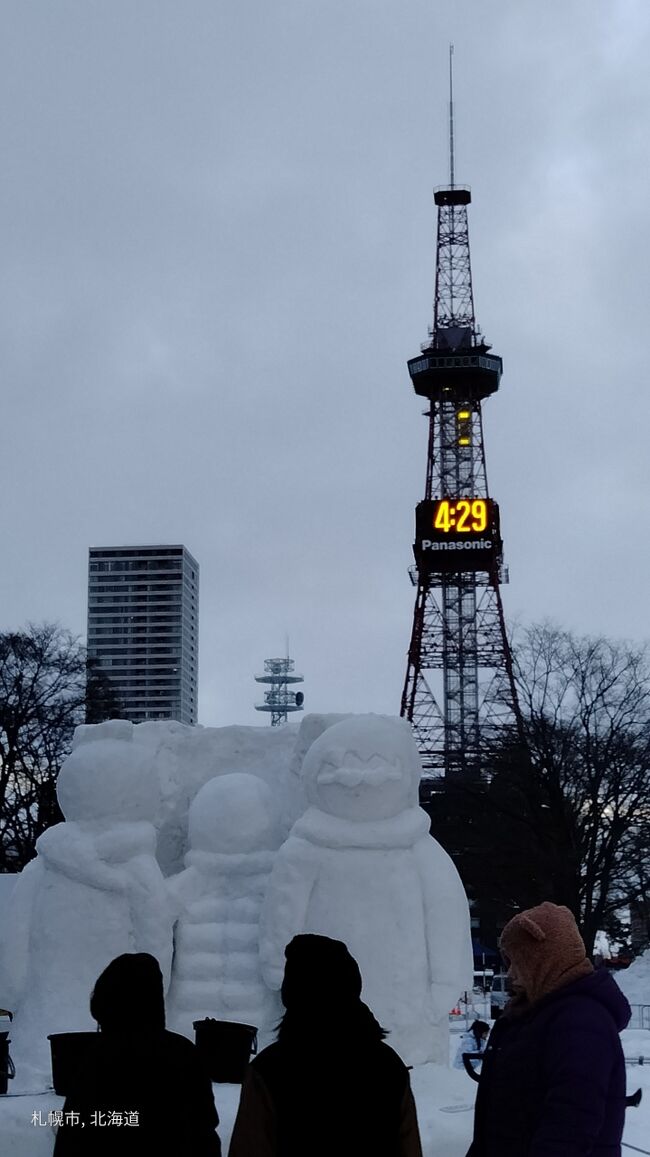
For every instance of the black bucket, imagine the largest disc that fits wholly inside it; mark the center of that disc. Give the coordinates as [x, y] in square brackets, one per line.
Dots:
[70, 1050]
[7, 1070]
[225, 1047]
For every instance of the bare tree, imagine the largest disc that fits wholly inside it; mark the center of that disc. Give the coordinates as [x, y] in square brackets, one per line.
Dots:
[45, 691]
[563, 816]
[586, 704]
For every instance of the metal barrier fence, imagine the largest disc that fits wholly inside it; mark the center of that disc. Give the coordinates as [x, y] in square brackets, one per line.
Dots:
[478, 1007]
[640, 1016]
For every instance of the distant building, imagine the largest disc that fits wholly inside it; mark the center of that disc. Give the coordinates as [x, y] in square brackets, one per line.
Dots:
[143, 618]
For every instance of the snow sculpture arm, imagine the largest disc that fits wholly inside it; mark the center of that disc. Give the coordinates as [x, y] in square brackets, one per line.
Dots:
[285, 905]
[151, 918]
[447, 923]
[65, 848]
[181, 890]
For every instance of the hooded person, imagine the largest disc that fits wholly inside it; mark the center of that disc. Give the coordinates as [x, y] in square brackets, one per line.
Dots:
[472, 1041]
[329, 1084]
[142, 1089]
[553, 1077]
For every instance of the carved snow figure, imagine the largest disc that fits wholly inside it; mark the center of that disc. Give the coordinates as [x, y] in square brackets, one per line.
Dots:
[216, 971]
[94, 891]
[360, 866]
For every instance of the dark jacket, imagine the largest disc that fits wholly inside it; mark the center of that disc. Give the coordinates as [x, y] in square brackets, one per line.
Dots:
[553, 1079]
[337, 1103]
[143, 1089]
[157, 1075]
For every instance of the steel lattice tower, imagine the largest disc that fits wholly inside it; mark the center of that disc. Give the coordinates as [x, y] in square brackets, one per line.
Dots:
[458, 623]
[279, 701]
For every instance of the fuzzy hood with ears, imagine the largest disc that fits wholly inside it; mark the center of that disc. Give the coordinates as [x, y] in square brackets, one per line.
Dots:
[544, 950]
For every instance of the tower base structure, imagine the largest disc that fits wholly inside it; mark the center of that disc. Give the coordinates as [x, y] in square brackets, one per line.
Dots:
[459, 657]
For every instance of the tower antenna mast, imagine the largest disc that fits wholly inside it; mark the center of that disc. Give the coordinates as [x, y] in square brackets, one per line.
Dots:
[451, 116]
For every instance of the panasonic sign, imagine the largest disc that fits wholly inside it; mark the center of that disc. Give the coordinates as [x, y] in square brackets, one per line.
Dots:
[475, 544]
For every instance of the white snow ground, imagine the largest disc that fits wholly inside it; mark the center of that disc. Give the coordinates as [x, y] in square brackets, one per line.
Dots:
[635, 980]
[444, 1099]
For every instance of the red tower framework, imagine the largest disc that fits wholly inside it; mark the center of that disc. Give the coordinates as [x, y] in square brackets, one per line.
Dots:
[459, 691]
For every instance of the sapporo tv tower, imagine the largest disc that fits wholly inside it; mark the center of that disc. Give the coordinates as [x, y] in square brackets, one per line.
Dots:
[458, 642]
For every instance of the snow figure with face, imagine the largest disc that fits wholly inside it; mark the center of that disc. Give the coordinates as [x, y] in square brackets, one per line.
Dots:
[360, 866]
[216, 970]
[94, 891]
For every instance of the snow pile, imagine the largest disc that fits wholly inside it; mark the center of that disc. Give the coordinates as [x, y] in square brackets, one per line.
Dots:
[635, 980]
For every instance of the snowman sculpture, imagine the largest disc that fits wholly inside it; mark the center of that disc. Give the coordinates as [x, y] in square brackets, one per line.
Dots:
[94, 891]
[360, 866]
[232, 844]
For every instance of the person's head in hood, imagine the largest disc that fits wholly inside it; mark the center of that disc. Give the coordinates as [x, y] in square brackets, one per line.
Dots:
[321, 991]
[544, 951]
[129, 995]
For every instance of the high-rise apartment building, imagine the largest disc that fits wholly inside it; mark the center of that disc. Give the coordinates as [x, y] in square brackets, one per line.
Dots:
[143, 620]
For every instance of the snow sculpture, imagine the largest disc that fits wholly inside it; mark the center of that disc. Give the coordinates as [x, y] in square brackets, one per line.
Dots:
[94, 891]
[233, 841]
[360, 866]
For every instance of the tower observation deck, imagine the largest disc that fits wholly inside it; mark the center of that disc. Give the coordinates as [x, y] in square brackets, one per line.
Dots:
[459, 690]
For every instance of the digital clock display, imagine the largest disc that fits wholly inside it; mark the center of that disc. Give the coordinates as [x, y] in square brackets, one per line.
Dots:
[457, 534]
[461, 515]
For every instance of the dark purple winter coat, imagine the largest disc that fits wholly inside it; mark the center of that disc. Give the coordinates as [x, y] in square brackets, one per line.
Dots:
[553, 1078]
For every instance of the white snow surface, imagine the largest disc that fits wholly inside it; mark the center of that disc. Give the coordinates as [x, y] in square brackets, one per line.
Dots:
[635, 980]
[360, 866]
[184, 758]
[311, 727]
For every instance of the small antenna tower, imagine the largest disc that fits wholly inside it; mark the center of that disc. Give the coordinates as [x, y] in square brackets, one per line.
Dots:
[280, 700]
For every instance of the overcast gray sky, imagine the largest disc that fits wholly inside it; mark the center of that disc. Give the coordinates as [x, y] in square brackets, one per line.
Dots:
[218, 254]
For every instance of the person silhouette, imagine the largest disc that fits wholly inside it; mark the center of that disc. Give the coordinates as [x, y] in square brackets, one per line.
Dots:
[143, 1088]
[329, 1083]
[473, 1041]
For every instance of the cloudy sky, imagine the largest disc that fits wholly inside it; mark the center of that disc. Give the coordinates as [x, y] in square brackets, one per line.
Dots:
[217, 255]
